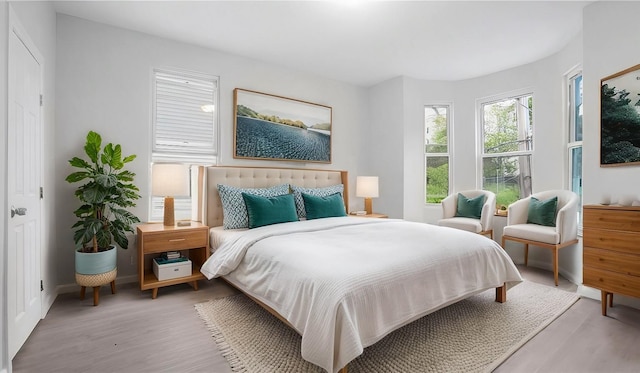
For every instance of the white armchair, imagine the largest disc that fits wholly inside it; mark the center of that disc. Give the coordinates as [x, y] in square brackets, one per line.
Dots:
[564, 233]
[483, 225]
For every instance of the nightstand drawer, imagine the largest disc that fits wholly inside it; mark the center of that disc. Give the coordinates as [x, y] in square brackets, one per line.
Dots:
[612, 261]
[616, 220]
[622, 241]
[175, 240]
[612, 282]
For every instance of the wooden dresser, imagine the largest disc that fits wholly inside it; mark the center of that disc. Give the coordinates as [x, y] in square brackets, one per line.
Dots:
[611, 251]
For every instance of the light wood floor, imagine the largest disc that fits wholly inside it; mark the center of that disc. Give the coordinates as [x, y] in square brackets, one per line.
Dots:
[130, 332]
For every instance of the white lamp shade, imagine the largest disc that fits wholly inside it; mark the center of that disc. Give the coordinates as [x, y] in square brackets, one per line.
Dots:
[367, 186]
[170, 179]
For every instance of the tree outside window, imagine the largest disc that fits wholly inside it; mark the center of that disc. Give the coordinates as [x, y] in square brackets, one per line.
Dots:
[507, 128]
[436, 149]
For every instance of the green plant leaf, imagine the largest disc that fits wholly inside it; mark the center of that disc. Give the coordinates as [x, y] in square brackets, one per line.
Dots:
[120, 237]
[129, 158]
[116, 160]
[94, 195]
[107, 181]
[79, 162]
[77, 176]
[103, 237]
[93, 145]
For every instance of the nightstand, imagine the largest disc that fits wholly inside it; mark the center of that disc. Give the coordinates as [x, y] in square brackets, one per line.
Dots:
[373, 215]
[155, 238]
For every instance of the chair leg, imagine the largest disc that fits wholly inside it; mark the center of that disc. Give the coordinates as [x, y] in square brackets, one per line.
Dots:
[555, 264]
[113, 287]
[526, 254]
[82, 290]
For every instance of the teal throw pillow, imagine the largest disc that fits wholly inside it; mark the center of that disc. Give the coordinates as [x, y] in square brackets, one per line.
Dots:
[233, 206]
[318, 192]
[263, 211]
[324, 207]
[470, 207]
[542, 212]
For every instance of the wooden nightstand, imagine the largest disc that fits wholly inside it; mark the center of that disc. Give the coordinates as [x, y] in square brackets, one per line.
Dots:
[155, 238]
[373, 215]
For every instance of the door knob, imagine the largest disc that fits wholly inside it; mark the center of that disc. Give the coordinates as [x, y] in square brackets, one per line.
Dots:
[18, 211]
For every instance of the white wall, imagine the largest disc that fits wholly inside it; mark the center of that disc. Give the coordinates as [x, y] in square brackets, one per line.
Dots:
[104, 84]
[610, 45]
[382, 154]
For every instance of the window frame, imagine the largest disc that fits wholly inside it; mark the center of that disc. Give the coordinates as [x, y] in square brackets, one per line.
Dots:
[480, 103]
[572, 142]
[183, 209]
[448, 154]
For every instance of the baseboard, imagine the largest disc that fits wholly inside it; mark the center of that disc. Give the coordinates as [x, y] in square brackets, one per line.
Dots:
[72, 288]
[47, 302]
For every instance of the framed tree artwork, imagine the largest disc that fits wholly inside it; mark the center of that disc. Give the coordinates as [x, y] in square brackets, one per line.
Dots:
[620, 118]
[270, 127]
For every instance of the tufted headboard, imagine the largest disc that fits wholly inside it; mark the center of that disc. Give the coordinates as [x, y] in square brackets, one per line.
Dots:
[262, 177]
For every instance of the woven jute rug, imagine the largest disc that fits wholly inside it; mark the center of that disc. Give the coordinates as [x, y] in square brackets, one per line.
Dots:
[473, 335]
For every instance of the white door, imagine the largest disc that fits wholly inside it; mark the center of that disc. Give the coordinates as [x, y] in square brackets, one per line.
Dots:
[23, 179]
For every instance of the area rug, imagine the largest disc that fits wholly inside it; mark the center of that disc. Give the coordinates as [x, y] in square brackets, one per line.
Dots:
[474, 335]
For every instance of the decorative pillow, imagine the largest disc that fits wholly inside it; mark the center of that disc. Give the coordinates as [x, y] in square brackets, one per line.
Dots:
[317, 192]
[269, 210]
[323, 207]
[470, 207]
[233, 207]
[542, 212]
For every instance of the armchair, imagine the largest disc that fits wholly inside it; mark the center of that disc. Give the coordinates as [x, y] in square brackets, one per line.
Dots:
[482, 224]
[561, 232]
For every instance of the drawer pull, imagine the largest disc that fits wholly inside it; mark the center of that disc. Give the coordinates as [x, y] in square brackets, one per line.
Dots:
[177, 239]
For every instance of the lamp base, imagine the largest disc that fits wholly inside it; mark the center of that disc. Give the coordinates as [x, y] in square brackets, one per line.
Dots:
[367, 206]
[169, 216]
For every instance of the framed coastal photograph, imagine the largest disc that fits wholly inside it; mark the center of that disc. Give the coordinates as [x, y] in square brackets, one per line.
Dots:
[272, 127]
[620, 118]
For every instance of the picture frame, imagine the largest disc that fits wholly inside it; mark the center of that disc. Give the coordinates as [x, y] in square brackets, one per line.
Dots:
[620, 118]
[271, 127]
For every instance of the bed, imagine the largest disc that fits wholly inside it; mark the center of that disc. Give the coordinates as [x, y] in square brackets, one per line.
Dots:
[343, 283]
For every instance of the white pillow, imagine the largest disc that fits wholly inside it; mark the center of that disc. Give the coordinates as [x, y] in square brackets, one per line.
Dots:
[234, 211]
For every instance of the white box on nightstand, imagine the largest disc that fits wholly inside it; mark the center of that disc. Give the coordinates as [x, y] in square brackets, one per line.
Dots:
[170, 271]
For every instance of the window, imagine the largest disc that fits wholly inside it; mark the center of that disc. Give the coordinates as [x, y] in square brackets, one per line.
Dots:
[436, 152]
[507, 144]
[574, 145]
[184, 127]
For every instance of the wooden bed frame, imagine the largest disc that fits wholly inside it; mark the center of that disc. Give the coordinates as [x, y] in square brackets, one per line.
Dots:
[262, 177]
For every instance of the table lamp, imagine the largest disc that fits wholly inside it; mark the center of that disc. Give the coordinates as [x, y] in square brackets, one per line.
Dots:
[169, 180]
[367, 187]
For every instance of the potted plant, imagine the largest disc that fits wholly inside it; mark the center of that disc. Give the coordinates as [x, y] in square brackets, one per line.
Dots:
[107, 191]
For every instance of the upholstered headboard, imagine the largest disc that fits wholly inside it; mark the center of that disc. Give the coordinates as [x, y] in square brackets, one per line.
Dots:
[262, 177]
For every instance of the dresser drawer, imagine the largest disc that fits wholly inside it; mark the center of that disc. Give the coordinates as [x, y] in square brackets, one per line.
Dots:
[612, 261]
[612, 282]
[627, 242]
[614, 219]
[174, 240]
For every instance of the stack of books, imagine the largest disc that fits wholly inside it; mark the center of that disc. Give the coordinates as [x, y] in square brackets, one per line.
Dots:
[170, 257]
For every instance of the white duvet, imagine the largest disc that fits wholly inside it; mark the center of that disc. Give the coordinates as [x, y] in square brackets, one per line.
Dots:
[344, 283]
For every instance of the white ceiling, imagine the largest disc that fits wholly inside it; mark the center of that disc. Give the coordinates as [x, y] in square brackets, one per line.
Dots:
[360, 42]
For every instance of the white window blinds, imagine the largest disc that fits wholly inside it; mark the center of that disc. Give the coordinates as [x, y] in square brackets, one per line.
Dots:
[184, 116]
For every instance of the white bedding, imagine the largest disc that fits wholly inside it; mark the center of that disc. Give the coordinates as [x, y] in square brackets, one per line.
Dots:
[344, 283]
